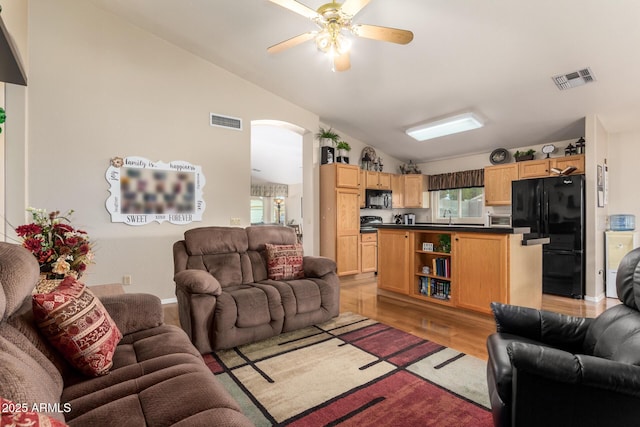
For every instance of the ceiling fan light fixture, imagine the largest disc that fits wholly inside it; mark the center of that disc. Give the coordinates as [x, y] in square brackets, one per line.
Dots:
[447, 126]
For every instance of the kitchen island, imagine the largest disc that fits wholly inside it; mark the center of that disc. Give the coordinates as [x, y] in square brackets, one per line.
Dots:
[459, 266]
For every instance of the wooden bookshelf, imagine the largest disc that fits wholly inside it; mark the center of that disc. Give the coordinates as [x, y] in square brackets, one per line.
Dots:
[433, 251]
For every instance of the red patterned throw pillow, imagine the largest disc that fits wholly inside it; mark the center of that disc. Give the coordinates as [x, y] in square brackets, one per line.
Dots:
[23, 414]
[284, 262]
[77, 324]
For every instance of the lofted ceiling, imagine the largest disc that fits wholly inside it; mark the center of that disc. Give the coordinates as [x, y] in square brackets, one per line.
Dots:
[493, 57]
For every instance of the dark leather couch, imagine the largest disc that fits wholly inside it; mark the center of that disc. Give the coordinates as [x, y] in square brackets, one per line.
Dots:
[548, 369]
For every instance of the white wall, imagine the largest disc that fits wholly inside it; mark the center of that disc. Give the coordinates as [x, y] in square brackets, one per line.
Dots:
[622, 158]
[99, 88]
[597, 149]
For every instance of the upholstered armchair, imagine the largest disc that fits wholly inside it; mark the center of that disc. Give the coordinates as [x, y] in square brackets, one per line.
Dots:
[548, 369]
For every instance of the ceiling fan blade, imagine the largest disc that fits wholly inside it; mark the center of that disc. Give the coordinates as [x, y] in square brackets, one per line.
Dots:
[293, 41]
[341, 62]
[351, 7]
[298, 8]
[387, 34]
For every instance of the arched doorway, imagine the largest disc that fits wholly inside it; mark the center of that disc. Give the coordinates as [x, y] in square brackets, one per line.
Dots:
[276, 173]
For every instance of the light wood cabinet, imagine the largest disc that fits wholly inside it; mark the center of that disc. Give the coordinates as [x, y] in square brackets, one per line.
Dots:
[564, 162]
[437, 284]
[347, 176]
[368, 252]
[397, 191]
[481, 270]
[363, 180]
[340, 216]
[534, 168]
[542, 168]
[416, 187]
[378, 180]
[478, 269]
[394, 260]
[497, 183]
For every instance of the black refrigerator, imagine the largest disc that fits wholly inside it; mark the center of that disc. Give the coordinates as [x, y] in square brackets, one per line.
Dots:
[554, 208]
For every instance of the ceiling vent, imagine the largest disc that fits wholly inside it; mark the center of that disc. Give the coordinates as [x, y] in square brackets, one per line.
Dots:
[226, 122]
[574, 79]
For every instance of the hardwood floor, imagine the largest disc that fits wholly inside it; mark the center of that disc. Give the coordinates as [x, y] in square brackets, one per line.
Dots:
[462, 330]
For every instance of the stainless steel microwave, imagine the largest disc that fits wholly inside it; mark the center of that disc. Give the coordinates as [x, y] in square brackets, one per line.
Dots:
[378, 199]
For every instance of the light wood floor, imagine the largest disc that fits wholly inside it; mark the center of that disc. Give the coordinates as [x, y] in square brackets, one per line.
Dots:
[462, 330]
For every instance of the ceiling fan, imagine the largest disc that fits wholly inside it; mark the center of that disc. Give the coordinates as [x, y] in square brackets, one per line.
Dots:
[335, 21]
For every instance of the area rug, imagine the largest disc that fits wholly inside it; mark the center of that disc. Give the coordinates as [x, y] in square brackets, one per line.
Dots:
[354, 371]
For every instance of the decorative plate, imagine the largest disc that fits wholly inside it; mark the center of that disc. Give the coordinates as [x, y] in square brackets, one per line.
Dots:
[371, 152]
[498, 156]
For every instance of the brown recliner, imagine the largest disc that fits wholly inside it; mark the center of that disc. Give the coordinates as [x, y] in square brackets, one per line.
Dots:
[225, 297]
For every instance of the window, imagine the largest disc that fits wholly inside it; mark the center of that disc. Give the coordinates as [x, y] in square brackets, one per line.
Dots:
[460, 203]
[257, 210]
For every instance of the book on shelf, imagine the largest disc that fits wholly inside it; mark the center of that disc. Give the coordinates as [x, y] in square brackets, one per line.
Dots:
[441, 267]
[435, 288]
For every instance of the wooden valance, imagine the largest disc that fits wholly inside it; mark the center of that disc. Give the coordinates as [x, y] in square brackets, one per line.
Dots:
[452, 180]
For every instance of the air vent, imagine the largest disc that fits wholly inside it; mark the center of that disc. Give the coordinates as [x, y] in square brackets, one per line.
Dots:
[226, 122]
[574, 79]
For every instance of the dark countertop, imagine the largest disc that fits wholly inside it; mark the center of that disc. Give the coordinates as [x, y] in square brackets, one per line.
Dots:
[528, 239]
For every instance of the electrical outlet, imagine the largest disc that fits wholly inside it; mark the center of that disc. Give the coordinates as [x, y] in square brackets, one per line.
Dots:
[126, 279]
[235, 221]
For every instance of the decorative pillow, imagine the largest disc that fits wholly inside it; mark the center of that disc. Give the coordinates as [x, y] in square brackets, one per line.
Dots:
[76, 323]
[284, 262]
[21, 414]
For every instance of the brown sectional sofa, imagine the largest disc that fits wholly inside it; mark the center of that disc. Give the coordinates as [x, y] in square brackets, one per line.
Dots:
[158, 378]
[225, 297]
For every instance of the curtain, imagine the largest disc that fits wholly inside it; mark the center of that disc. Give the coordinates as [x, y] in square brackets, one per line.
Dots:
[452, 180]
[269, 189]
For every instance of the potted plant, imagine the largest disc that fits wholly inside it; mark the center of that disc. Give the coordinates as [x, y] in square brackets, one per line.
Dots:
[524, 155]
[343, 151]
[328, 139]
[3, 117]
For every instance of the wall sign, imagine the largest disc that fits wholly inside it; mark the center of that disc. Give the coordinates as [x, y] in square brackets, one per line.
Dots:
[143, 191]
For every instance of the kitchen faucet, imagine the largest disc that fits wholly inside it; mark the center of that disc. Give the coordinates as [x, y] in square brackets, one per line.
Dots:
[445, 213]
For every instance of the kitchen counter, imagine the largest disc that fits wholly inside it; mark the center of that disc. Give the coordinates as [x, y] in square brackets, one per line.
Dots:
[527, 239]
[459, 266]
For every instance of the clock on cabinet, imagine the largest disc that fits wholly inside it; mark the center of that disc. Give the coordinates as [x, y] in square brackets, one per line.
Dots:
[499, 156]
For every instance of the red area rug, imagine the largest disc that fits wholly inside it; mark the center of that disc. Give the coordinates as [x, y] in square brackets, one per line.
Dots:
[353, 371]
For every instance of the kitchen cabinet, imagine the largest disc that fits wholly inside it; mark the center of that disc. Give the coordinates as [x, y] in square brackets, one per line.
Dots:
[481, 270]
[347, 176]
[476, 268]
[363, 179]
[565, 162]
[368, 252]
[340, 216]
[394, 260]
[436, 284]
[542, 168]
[534, 168]
[378, 180]
[397, 191]
[416, 191]
[497, 184]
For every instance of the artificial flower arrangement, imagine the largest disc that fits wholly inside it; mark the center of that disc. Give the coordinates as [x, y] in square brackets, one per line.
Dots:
[60, 249]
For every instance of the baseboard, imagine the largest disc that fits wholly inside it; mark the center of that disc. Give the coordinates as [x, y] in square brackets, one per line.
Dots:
[597, 298]
[169, 301]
